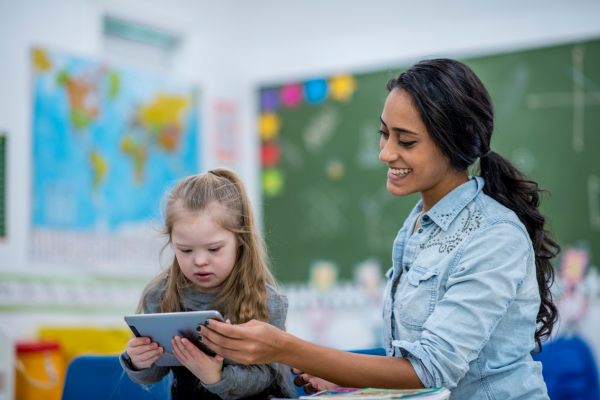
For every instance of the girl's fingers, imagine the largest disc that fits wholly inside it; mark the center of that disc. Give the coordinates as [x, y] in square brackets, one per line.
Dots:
[139, 341]
[142, 348]
[193, 351]
[178, 347]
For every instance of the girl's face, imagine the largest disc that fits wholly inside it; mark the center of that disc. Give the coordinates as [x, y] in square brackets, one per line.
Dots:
[415, 163]
[205, 251]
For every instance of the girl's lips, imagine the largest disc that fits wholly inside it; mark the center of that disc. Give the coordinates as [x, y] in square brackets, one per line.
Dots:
[204, 277]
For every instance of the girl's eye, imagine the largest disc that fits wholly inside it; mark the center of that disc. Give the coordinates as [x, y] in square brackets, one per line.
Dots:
[215, 249]
[406, 144]
[186, 251]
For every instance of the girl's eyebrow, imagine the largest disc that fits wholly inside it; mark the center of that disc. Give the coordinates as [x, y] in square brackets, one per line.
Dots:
[219, 242]
[399, 130]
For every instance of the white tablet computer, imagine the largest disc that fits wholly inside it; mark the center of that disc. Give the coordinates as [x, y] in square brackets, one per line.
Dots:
[162, 327]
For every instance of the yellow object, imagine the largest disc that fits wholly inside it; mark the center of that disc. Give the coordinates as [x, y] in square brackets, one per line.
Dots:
[268, 126]
[76, 341]
[40, 371]
[41, 62]
[342, 87]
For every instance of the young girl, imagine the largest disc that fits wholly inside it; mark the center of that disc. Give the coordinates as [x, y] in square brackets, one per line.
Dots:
[219, 264]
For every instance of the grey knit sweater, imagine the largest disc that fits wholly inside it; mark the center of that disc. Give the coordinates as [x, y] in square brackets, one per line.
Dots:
[236, 381]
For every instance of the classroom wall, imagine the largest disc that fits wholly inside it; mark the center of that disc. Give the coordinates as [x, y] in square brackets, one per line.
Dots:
[232, 47]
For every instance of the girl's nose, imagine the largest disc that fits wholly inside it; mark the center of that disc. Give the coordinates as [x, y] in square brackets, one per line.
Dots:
[200, 260]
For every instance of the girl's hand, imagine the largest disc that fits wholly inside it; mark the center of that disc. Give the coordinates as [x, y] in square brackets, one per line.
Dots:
[253, 342]
[206, 368]
[143, 352]
[311, 383]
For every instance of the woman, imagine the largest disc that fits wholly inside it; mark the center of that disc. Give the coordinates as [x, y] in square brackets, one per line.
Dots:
[468, 295]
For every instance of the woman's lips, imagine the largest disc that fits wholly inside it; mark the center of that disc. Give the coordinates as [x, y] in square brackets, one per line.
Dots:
[397, 174]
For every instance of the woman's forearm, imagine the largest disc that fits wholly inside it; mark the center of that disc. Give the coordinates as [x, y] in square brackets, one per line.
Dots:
[349, 369]
[257, 342]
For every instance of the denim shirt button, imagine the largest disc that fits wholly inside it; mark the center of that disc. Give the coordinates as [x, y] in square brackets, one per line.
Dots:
[421, 230]
[426, 218]
[406, 268]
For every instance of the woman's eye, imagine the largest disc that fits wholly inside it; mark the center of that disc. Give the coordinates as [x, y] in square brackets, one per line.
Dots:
[406, 144]
[382, 133]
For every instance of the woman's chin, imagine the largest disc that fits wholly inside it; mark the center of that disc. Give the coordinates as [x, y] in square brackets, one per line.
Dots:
[398, 190]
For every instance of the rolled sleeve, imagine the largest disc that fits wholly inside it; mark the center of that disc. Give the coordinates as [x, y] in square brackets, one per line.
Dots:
[489, 270]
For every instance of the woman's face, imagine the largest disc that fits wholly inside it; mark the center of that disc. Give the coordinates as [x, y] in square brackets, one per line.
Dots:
[415, 163]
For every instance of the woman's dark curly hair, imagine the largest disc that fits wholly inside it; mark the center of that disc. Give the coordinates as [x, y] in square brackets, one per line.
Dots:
[458, 113]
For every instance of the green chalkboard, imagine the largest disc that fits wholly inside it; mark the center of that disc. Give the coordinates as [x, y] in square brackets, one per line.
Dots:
[324, 188]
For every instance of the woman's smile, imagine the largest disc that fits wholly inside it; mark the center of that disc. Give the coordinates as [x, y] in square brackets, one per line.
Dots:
[397, 175]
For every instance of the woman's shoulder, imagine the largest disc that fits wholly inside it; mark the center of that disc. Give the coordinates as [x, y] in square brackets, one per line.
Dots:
[500, 218]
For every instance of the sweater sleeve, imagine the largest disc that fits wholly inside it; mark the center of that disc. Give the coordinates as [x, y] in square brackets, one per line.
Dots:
[240, 381]
[154, 373]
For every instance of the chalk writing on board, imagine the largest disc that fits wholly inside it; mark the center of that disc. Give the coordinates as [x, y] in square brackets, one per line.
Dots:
[321, 129]
[367, 154]
[373, 208]
[578, 98]
[324, 213]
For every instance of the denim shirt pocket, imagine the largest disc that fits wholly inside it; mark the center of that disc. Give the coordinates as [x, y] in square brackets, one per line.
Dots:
[419, 297]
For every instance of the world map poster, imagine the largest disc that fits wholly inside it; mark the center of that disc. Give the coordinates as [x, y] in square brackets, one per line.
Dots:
[108, 142]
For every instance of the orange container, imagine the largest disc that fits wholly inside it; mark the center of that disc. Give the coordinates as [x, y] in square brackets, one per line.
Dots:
[40, 371]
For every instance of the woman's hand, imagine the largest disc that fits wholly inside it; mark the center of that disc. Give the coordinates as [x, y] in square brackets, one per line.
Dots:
[206, 368]
[253, 342]
[311, 383]
[143, 352]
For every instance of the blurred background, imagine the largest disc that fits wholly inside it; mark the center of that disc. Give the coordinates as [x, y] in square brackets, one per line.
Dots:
[104, 105]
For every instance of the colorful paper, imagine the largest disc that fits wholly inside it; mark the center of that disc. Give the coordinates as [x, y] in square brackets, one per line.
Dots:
[342, 87]
[268, 126]
[273, 181]
[269, 100]
[292, 95]
[316, 90]
[270, 154]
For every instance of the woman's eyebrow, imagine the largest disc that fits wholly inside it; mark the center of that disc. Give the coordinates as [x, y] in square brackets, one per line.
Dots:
[399, 130]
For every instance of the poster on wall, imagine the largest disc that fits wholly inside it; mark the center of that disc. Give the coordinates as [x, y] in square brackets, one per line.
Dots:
[225, 134]
[107, 144]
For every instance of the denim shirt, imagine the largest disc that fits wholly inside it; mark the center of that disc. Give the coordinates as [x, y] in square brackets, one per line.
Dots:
[464, 310]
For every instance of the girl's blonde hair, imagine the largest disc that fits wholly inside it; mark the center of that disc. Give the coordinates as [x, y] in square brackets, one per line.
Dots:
[243, 295]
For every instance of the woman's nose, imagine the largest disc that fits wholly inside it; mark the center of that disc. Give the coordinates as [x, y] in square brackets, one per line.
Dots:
[387, 153]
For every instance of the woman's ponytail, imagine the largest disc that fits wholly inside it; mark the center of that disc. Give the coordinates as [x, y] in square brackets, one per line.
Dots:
[509, 187]
[457, 110]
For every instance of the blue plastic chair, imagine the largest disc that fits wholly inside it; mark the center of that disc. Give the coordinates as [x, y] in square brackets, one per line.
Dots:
[569, 370]
[103, 378]
[377, 351]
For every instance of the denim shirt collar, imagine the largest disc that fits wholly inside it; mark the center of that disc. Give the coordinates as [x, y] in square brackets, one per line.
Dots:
[445, 210]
